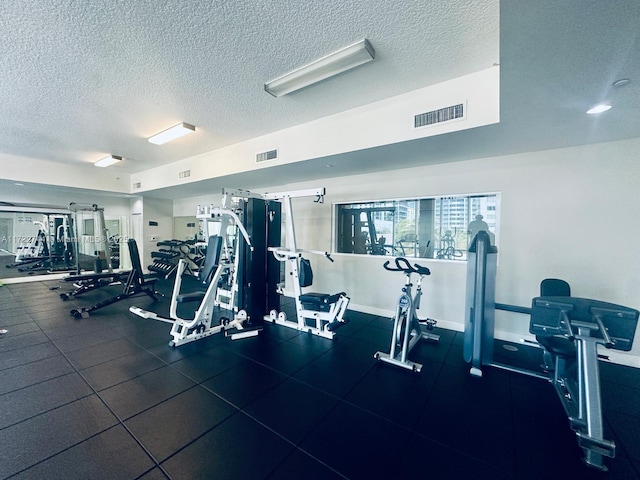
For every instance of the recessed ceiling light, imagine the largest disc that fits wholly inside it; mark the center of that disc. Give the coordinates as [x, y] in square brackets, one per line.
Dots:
[598, 109]
[172, 133]
[108, 161]
[17, 184]
[621, 83]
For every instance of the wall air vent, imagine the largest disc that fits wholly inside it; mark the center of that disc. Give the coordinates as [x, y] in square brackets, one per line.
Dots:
[439, 116]
[137, 185]
[184, 174]
[264, 156]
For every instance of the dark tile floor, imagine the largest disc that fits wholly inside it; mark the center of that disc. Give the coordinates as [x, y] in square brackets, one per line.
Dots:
[105, 397]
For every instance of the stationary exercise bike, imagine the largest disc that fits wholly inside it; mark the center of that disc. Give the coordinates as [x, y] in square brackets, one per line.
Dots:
[407, 328]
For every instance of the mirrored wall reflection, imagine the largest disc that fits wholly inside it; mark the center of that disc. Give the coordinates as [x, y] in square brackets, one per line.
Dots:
[42, 239]
[36, 241]
[437, 227]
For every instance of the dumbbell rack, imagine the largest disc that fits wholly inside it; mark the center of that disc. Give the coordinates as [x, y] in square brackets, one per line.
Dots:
[167, 257]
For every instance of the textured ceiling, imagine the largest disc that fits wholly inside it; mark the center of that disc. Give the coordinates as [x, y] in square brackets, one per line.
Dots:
[83, 79]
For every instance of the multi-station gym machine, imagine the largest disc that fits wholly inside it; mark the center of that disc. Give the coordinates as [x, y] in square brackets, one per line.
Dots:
[242, 272]
[567, 329]
[235, 274]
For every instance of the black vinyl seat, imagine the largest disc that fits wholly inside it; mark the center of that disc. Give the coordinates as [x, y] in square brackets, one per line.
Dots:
[211, 261]
[319, 301]
[556, 344]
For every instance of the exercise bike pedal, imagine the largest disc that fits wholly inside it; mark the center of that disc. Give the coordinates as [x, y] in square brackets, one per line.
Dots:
[428, 322]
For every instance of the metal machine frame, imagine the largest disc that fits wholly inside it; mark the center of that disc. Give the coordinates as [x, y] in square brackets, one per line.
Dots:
[188, 330]
[325, 311]
[568, 329]
[571, 329]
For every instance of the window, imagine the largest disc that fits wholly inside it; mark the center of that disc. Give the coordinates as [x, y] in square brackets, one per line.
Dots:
[440, 227]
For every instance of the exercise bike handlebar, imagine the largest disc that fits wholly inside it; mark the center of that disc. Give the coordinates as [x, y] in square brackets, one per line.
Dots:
[403, 265]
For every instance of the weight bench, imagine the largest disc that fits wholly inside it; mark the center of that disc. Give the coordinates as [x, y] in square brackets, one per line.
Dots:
[570, 330]
[87, 282]
[137, 282]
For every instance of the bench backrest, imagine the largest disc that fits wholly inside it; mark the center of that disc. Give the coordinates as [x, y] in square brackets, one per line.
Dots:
[211, 260]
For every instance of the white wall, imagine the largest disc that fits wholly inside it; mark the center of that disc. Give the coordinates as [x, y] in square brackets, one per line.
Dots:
[570, 213]
[25, 169]
[384, 122]
[158, 211]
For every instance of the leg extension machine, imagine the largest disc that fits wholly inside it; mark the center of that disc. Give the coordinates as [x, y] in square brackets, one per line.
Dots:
[570, 330]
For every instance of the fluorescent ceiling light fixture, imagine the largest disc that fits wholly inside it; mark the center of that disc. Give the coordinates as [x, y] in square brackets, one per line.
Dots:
[598, 109]
[108, 161]
[172, 133]
[333, 64]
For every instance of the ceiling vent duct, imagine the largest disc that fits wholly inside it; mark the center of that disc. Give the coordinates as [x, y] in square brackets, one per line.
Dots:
[455, 112]
[137, 185]
[184, 174]
[264, 156]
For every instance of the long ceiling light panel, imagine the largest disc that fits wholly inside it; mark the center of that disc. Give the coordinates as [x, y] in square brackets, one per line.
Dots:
[172, 133]
[108, 161]
[337, 62]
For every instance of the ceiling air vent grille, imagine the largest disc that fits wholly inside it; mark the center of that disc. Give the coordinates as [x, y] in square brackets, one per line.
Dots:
[439, 116]
[184, 174]
[264, 156]
[137, 185]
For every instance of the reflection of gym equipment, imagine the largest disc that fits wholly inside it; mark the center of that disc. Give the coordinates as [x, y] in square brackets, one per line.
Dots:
[210, 277]
[33, 248]
[98, 236]
[87, 282]
[447, 250]
[409, 245]
[52, 249]
[567, 328]
[407, 328]
[137, 282]
[360, 236]
[324, 311]
[53, 244]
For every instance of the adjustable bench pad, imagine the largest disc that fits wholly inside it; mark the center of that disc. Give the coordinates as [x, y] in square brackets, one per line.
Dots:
[319, 301]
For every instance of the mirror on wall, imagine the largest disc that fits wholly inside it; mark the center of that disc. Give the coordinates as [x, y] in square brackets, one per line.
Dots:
[43, 239]
[434, 227]
[187, 228]
[36, 240]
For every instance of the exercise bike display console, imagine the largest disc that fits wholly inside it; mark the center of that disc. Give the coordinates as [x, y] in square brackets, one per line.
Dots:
[407, 328]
